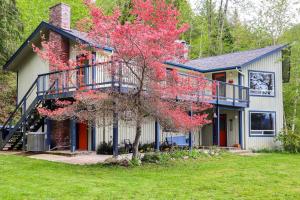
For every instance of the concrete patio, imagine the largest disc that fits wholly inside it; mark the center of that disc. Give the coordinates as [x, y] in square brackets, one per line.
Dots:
[75, 160]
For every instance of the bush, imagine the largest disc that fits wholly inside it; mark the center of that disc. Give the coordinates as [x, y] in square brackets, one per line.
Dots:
[151, 157]
[105, 148]
[124, 162]
[290, 141]
[173, 155]
[146, 147]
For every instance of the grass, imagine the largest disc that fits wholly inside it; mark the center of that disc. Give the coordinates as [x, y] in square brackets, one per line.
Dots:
[268, 176]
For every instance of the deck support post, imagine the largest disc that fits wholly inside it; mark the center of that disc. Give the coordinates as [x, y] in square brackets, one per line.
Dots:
[93, 138]
[115, 134]
[218, 125]
[48, 133]
[157, 136]
[190, 135]
[241, 128]
[73, 135]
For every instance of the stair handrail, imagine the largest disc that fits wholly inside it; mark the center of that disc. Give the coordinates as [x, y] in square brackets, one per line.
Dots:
[45, 93]
[19, 104]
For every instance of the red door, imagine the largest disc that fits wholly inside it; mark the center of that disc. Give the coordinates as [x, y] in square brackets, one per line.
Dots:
[222, 88]
[82, 63]
[82, 136]
[223, 131]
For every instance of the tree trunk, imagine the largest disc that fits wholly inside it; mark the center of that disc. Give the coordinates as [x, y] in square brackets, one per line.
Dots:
[222, 22]
[209, 21]
[295, 109]
[135, 148]
[285, 123]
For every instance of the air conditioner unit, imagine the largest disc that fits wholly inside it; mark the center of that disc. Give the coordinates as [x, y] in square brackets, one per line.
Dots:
[36, 141]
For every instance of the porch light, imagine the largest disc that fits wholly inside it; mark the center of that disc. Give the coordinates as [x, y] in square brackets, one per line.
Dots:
[215, 115]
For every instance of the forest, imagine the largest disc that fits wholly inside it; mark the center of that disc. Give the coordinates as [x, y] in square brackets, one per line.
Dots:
[215, 27]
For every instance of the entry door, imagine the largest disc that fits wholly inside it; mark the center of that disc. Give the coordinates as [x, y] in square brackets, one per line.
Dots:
[220, 77]
[82, 131]
[82, 63]
[223, 130]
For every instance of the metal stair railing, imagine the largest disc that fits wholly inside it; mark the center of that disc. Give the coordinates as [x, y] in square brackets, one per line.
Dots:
[20, 114]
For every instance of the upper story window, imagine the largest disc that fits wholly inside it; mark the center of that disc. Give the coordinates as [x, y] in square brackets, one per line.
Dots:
[261, 83]
[262, 123]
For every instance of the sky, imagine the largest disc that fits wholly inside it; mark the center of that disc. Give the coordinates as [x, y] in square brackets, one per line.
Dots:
[245, 16]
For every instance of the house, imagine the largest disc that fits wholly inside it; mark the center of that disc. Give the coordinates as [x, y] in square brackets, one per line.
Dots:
[248, 103]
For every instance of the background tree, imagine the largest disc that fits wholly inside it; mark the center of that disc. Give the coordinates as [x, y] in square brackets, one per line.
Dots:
[10, 34]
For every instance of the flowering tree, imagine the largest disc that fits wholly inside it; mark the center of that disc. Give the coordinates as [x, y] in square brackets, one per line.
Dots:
[141, 47]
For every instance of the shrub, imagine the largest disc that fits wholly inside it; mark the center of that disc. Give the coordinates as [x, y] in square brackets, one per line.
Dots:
[173, 155]
[151, 157]
[156, 157]
[124, 162]
[105, 148]
[135, 162]
[146, 147]
[290, 141]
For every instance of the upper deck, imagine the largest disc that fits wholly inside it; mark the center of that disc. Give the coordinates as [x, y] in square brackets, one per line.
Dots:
[98, 77]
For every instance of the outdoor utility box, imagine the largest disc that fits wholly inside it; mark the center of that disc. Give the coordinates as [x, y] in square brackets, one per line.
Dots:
[36, 141]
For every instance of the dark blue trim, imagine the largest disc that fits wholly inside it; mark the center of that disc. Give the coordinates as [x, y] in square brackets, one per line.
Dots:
[229, 67]
[249, 123]
[54, 29]
[183, 66]
[190, 135]
[157, 136]
[241, 129]
[17, 88]
[254, 95]
[73, 135]
[218, 125]
[115, 134]
[93, 138]
[231, 108]
[265, 55]
[222, 69]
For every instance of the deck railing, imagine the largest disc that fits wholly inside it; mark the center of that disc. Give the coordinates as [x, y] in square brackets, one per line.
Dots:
[109, 75]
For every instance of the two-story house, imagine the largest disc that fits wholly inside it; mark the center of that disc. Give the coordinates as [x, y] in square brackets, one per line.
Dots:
[248, 102]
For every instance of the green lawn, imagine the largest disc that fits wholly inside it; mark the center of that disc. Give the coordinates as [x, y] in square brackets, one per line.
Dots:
[268, 176]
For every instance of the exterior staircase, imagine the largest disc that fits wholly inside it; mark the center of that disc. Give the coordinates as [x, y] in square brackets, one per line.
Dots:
[23, 119]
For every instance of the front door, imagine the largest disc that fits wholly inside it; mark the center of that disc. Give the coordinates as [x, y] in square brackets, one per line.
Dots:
[222, 78]
[82, 136]
[223, 131]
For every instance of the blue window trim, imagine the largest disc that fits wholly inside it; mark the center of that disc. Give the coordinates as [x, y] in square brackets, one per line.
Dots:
[257, 95]
[249, 123]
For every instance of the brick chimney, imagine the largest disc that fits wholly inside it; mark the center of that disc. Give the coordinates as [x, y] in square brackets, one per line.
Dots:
[60, 16]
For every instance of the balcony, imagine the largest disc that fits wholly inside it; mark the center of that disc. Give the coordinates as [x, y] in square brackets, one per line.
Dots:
[101, 77]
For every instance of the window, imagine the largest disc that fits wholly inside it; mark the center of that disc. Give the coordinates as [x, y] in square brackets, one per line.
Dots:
[262, 123]
[261, 83]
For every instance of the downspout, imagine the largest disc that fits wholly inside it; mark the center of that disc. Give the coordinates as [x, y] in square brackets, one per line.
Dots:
[244, 112]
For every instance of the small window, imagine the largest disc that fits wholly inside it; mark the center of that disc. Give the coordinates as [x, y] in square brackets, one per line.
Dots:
[261, 83]
[262, 123]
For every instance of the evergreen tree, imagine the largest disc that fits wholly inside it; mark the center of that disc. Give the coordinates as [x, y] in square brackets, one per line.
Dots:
[10, 36]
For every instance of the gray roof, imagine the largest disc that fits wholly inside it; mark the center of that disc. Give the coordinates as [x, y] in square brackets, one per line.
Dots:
[84, 37]
[232, 60]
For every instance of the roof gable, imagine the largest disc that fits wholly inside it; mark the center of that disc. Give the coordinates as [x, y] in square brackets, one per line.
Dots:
[43, 27]
[233, 60]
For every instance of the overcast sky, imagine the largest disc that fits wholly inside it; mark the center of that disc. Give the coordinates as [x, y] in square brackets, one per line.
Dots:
[294, 6]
